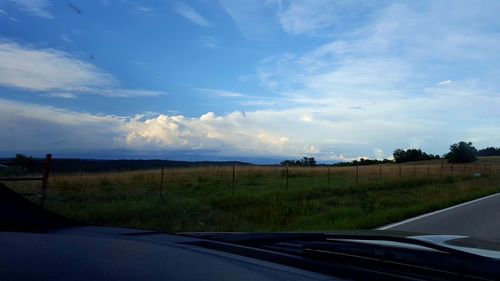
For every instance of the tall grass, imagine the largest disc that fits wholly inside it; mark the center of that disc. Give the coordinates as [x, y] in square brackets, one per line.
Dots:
[321, 198]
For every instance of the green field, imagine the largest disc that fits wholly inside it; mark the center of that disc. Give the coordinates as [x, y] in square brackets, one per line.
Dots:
[265, 198]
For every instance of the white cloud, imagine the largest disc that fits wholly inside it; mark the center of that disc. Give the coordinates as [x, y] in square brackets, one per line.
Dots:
[399, 53]
[38, 8]
[31, 127]
[261, 103]
[305, 16]
[221, 93]
[46, 69]
[192, 15]
[445, 82]
[328, 132]
[64, 95]
[378, 153]
[50, 70]
[254, 19]
[365, 92]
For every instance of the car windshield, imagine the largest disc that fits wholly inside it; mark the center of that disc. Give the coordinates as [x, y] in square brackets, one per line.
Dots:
[255, 116]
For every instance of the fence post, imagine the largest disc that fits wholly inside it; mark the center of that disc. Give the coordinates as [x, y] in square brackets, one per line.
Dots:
[312, 177]
[161, 180]
[357, 173]
[428, 170]
[45, 178]
[233, 182]
[414, 170]
[399, 170]
[287, 175]
[328, 181]
[451, 170]
[380, 172]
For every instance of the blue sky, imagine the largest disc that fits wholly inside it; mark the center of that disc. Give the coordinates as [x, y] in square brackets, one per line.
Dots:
[258, 80]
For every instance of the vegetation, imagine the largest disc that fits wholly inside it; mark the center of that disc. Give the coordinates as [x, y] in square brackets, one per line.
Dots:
[304, 162]
[489, 151]
[411, 155]
[363, 162]
[264, 198]
[462, 152]
[69, 165]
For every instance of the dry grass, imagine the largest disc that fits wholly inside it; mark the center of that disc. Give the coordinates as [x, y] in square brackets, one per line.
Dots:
[320, 198]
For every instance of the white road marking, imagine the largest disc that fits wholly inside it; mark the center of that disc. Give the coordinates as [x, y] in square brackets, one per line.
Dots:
[435, 212]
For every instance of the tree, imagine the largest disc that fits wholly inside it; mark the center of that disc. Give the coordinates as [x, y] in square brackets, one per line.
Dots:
[308, 161]
[462, 152]
[410, 155]
[399, 155]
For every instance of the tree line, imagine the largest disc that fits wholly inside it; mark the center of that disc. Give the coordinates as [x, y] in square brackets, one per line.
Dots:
[304, 162]
[461, 152]
[489, 151]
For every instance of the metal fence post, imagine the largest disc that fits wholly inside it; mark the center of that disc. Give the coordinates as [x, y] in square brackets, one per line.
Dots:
[357, 173]
[286, 175]
[45, 178]
[380, 172]
[328, 181]
[233, 182]
[161, 180]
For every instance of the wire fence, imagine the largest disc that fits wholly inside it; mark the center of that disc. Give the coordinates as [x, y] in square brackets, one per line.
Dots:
[223, 179]
[161, 181]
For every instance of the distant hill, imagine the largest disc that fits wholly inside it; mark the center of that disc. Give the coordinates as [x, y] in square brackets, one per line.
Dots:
[93, 165]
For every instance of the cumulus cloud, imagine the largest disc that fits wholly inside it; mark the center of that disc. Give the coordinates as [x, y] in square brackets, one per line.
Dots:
[51, 70]
[192, 15]
[37, 127]
[329, 133]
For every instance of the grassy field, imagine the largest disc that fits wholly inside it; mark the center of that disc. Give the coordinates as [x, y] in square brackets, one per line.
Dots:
[267, 198]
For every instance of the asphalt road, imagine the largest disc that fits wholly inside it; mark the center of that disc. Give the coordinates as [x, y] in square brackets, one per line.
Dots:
[479, 218]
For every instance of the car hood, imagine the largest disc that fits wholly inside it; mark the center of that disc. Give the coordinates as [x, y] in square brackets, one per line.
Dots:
[459, 242]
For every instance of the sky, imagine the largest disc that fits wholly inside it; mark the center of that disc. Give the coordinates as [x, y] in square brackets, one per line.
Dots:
[260, 80]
